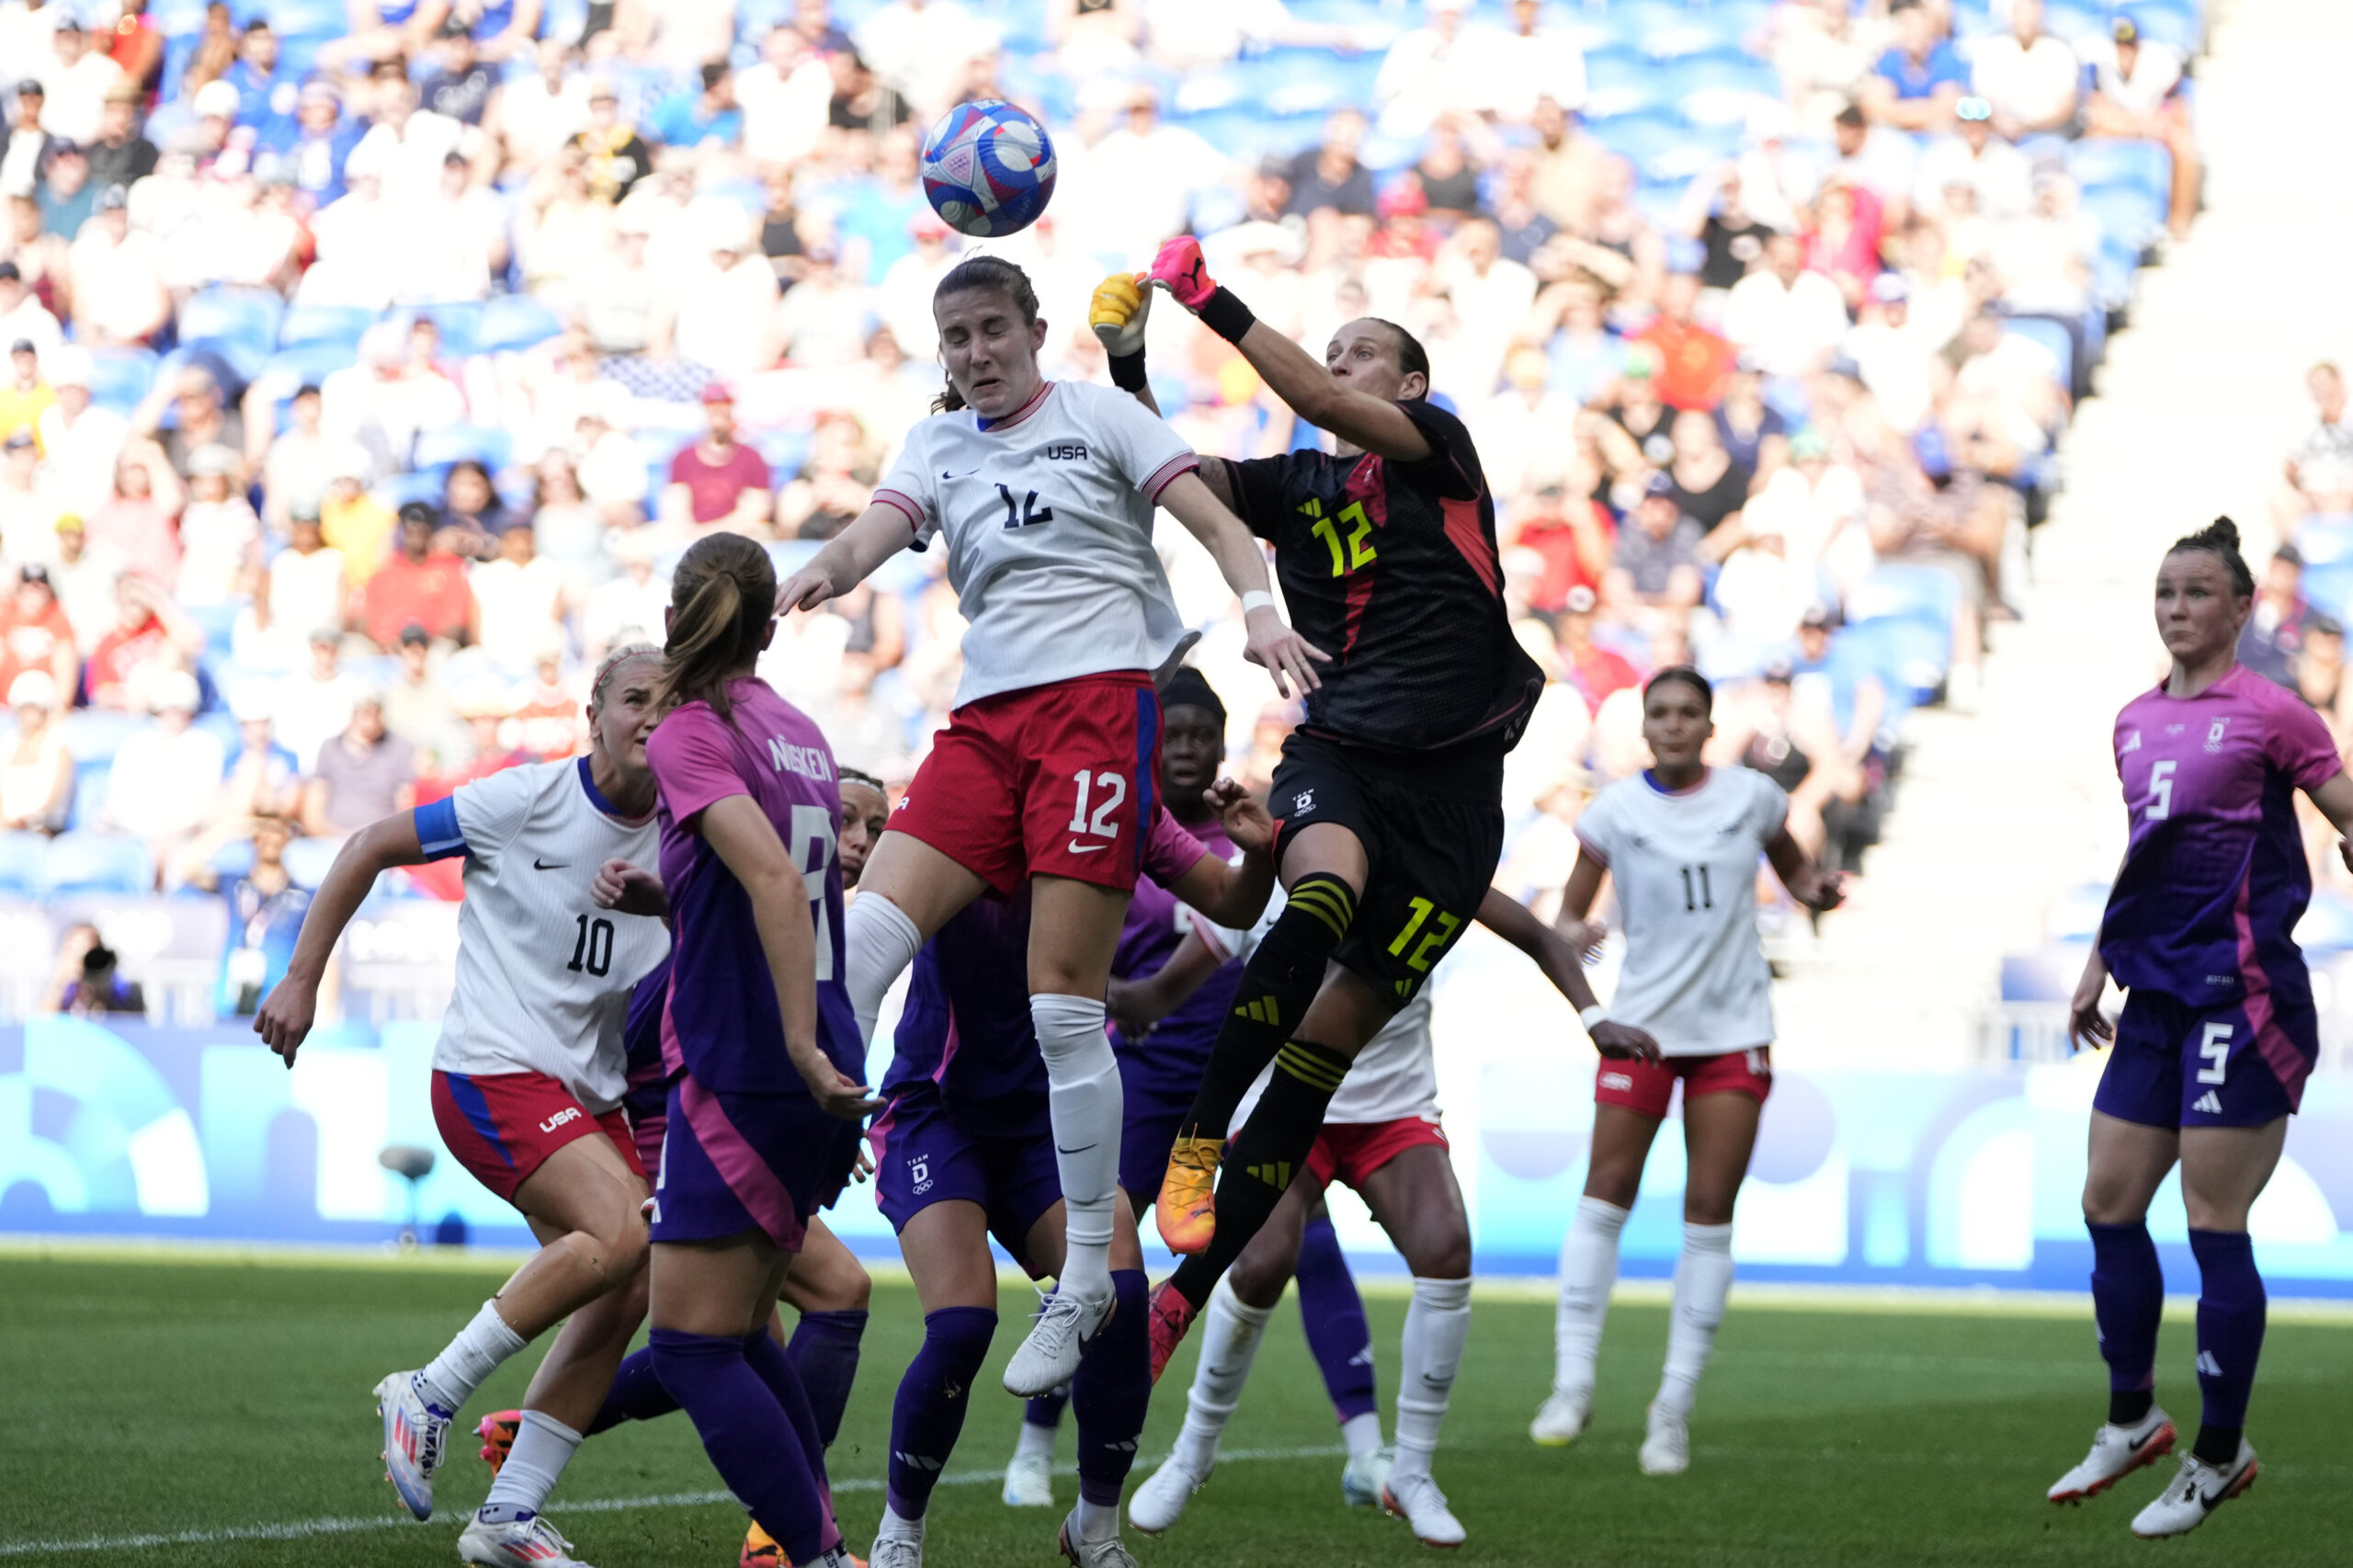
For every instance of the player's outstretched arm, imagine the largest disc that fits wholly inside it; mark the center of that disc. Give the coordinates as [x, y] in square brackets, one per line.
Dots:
[285, 1017]
[1233, 895]
[1818, 890]
[1287, 657]
[1511, 920]
[1137, 1005]
[873, 536]
[740, 834]
[1374, 424]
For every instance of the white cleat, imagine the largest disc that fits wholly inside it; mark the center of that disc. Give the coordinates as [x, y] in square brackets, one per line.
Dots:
[2197, 1491]
[2117, 1452]
[897, 1552]
[1562, 1419]
[1416, 1500]
[414, 1431]
[1066, 1327]
[1030, 1482]
[1093, 1553]
[1667, 1448]
[1160, 1501]
[524, 1542]
[1364, 1475]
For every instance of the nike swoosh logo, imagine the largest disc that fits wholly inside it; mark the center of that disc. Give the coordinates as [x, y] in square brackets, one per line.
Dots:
[1059, 1150]
[1077, 849]
[966, 474]
[540, 865]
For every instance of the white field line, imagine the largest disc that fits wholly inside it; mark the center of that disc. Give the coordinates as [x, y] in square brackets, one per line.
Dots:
[302, 1530]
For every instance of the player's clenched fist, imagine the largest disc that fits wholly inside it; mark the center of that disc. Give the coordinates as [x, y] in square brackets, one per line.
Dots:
[1122, 303]
[1180, 269]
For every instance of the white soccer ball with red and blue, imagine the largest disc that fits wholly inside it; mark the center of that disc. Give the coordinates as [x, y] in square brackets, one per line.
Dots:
[988, 168]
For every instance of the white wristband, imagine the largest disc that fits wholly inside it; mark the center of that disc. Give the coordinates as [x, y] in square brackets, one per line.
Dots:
[1596, 1013]
[1256, 598]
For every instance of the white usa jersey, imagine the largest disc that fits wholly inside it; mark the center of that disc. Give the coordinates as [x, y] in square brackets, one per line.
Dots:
[1684, 867]
[1395, 1075]
[1048, 514]
[543, 975]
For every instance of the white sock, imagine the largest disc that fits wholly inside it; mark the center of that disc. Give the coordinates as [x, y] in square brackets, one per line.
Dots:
[1362, 1433]
[1702, 1280]
[543, 1446]
[896, 1529]
[1096, 1521]
[1036, 1442]
[1436, 1325]
[1588, 1269]
[1082, 1094]
[1230, 1331]
[449, 1379]
[879, 942]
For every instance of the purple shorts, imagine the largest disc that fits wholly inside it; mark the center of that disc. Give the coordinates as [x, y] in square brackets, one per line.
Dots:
[733, 1162]
[2240, 1065]
[923, 1157]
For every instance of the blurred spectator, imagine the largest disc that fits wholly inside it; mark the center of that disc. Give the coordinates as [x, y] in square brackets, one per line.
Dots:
[361, 775]
[1655, 570]
[2031, 79]
[1882, 162]
[918, 47]
[1973, 155]
[1634, 406]
[1586, 356]
[24, 318]
[1569, 532]
[295, 467]
[2320, 673]
[539, 111]
[36, 636]
[1694, 363]
[1891, 352]
[1525, 432]
[1327, 177]
[457, 239]
[472, 516]
[386, 401]
[2320, 468]
[200, 418]
[1762, 593]
[1445, 174]
[25, 147]
[1593, 670]
[28, 506]
[548, 711]
[1843, 242]
[716, 481]
[488, 713]
[1154, 174]
[465, 88]
[1797, 745]
[720, 308]
[1530, 61]
[784, 100]
[151, 641]
[77, 77]
[619, 293]
[315, 706]
[36, 777]
[264, 778]
[154, 792]
[265, 913]
[1917, 82]
[120, 155]
[1730, 237]
[566, 527]
[1094, 38]
[631, 602]
[694, 120]
[1440, 66]
[2136, 94]
[2274, 633]
[220, 536]
[305, 586]
[1790, 318]
[84, 576]
[117, 274]
[66, 196]
[1710, 488]
[1752, 430]
[420, 710]
[1816, 505]
[79, 441]
[834, 484]
[88, 981]
[902, 299]
[617, 156]
[419, 586]
[519, 600]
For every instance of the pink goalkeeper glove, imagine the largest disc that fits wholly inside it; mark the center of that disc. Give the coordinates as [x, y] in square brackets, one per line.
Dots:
[1180, 269]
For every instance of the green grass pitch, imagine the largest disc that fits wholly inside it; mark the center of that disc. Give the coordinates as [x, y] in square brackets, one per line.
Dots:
[204, 1401]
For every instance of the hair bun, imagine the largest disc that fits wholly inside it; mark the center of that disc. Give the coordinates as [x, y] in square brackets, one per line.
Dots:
[2222, 530]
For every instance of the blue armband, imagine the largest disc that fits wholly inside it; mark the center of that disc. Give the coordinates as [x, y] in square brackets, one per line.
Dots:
[437, 833]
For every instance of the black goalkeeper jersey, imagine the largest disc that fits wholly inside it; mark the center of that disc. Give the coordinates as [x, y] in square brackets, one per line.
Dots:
[1391, 568]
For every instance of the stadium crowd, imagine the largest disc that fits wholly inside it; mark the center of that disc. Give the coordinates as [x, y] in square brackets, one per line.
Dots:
[367, 370]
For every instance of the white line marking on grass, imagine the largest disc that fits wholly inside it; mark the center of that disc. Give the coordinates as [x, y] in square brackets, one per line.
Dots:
[303, 1529]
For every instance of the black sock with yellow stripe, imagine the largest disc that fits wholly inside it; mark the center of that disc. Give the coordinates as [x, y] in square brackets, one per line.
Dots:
[1277, 984]
[1267, 1156]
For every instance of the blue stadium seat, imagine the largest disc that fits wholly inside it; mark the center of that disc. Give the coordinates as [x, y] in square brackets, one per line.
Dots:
[2071, 23]
[2179, 23]
[2327, 925]
[120, 377]
[1921, 593]
[785, 450]
[2330, 588]
[2073, 914]
[2051, 336]
[339, 324]
[241, 325]
[2325, 539]
[2044, 973]
[1622, 66]
[185, 18]
[21, 856]
[2113, 270]
[461, 324]
[89, 792]
[1909, 654]
[308, 17]
[453, 444]
[232, 860]
[307, 859]
[516, 321]
[307, 362]
[399, 489]
[218, 622]
[94, 734]
[2126, 212]
[2141, 165]
[95, 863]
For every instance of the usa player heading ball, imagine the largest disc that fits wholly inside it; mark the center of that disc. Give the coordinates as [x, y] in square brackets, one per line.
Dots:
[2219, 1031]
[1045, 772]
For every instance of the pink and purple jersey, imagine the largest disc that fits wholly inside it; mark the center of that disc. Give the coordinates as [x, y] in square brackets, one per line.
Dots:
[1169, 1064]
[2214, 877]
[722, 1024]
[966, 1024]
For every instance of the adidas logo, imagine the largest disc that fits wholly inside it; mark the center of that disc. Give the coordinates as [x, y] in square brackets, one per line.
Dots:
[919, 1461]
[1277, 1176]
[2208, 1104]
[1262, 1011]
[2207, 1365]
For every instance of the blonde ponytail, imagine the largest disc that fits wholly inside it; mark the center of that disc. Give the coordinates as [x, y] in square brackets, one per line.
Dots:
[722, 597]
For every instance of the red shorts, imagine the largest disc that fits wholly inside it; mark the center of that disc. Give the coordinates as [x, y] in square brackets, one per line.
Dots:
[1638, 1086]
[503, 1126]
[1057, 780]
[1352, 1150]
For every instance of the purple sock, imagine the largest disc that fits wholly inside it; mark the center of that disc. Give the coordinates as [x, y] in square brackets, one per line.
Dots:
[637, 1394]
[1111, 1389]
[1332, 1314]
[824, 1353]
[768, 1360]
[2128, 1300]
[1046, 1410]
[2231, 1305]
[750, 1440]
[928, 1413]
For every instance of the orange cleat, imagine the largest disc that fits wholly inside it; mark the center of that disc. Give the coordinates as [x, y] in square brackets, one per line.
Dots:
[497, 1433]
[1185, 1210]
[760, 1551]
[1171, 1318]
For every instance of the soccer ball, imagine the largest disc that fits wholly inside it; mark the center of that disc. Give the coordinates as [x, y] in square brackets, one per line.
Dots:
[988, 168]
